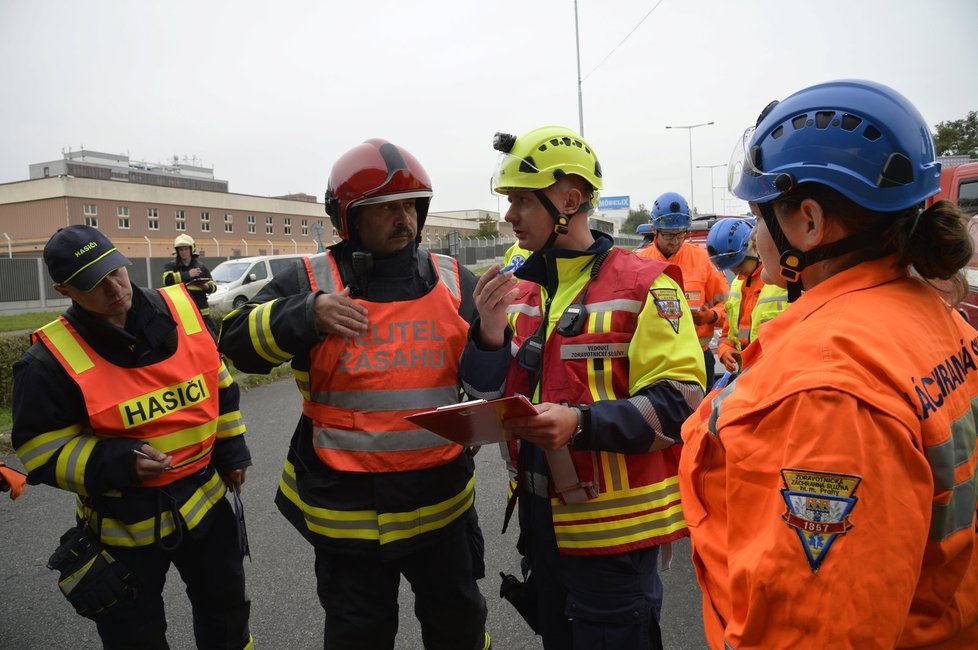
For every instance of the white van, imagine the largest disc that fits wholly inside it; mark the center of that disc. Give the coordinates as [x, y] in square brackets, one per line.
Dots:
[239, 280]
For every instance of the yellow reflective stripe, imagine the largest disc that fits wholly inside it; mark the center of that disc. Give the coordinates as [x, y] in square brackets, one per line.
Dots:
[202, 500]
[183, 437]
[185, 309]
[70, 468]
[621, 531]
[69, 583]
[173, 276]
[302, 382]
[262, 340]
[230, 424]
[395, 526]
[251, 643]
[624, 502]
[339, 524]
[69, 348]
[224, 378]
[142, 533]
[39, 449]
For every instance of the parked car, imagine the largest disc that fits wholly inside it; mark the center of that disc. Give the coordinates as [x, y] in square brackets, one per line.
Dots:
[240, 279]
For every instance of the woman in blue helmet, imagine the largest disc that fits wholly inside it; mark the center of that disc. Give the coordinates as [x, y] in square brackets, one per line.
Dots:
[830, 488]
[753, 299]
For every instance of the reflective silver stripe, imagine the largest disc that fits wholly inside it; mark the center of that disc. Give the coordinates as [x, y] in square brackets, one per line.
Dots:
[48, 447]
[626, 502]
[434, 519]
[956, 515]
[638, 528]
[388, 400]
[522, 308]
[372, 441]
[647, 411]
[777, 299]
[705, 340]
[368, 523]
[446, 269]
[473, 393]
[322, 270]
[633, 306]
[223, 374]
[691, 391]
[734, 295]
[727, 646]
[716, 402]
[943, 459]
[953, 452]
[513, 348]
[743, 333]
[201, 501]
[227, 425]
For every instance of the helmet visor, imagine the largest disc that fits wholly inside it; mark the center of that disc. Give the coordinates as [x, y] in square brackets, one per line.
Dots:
[744, 179]
[515, 173]
[724, 261]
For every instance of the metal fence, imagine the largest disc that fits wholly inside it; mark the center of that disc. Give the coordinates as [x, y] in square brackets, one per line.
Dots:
[26, 286]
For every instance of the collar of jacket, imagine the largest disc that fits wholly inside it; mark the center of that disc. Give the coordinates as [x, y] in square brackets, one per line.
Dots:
[546, 267]
[145, 320]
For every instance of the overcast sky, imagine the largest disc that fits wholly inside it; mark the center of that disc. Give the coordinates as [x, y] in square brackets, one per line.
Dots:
[269, 94]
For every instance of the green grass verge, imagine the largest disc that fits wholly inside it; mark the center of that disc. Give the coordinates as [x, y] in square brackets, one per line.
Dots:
[31, 321]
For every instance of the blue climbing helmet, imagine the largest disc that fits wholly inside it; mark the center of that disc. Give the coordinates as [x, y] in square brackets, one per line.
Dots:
[643, 229]
[728, 241]
[670, 212]
[860, 138]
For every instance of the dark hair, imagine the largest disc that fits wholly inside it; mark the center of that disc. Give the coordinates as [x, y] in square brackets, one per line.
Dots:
[935, 241]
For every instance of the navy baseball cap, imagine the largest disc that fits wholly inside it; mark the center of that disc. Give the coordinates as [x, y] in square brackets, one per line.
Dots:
[81, 256]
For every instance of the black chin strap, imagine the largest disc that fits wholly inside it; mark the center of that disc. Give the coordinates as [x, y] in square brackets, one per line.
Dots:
[561, 220]
[794, 261]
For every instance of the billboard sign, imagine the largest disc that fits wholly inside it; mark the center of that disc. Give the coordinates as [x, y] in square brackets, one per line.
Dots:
[614, 202]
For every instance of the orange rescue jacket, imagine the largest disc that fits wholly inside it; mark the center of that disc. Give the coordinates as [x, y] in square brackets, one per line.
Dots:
[830, 488]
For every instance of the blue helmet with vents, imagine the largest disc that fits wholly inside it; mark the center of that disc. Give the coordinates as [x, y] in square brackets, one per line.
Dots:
[670, 212]
[860, 138]
[728, 241]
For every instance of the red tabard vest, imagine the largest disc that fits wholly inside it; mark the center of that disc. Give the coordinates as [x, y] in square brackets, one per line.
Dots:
[171, 405]
[637, 502]
[361, 388]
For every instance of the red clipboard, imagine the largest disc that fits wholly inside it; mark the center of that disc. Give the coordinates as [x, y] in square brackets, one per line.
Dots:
[478, 422]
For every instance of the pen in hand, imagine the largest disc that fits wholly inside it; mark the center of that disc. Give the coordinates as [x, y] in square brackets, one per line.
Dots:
[148, 457]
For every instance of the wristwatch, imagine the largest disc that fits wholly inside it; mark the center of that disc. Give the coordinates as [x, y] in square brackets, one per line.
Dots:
[582, 411]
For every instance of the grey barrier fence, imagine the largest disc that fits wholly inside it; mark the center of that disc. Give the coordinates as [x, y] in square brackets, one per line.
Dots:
[26, 286]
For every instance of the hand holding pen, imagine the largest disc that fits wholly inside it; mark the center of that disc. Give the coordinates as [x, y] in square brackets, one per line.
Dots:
[151, 463]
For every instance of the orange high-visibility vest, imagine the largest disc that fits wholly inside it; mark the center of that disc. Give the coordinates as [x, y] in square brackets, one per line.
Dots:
[360, 389]
[171, 405]
[830, 488]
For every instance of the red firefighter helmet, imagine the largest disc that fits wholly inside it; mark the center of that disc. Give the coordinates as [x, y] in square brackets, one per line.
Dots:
[376, 171]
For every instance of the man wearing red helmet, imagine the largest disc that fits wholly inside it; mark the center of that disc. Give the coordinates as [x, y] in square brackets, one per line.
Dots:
[375, 496]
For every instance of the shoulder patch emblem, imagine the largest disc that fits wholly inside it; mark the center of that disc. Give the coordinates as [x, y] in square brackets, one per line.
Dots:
[668, 305]
[819, 505]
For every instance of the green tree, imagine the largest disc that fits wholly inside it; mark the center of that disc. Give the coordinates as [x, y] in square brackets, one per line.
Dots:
[636, 217]
[487, 227]
[958, 137]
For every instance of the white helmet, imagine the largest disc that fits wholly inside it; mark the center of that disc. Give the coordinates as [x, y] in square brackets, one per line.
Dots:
[185, 240]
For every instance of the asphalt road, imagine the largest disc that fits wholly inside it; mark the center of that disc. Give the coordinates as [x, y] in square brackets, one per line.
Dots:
[285, 612]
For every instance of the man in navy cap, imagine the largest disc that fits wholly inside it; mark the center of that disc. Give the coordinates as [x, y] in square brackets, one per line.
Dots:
[124, 400]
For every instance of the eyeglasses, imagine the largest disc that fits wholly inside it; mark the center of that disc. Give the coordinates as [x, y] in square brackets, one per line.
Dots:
[672, 236]
[240, 518]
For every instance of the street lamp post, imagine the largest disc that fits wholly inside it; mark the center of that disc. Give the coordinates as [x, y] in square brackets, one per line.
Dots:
[713, 186]
[580, 96]
[689, 129]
